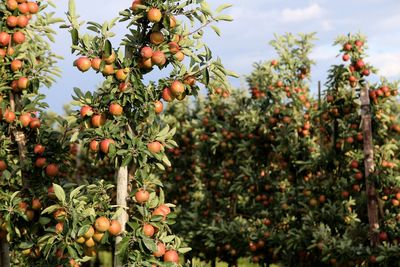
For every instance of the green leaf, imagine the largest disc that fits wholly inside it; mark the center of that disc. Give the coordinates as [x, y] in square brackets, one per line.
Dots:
[75, 37]
[224, 18]
[50, 209]
[150, 244]
[216, 30]
[184, 250]
[223, 7]
[59, 192]
[107, 48]
[83, 230]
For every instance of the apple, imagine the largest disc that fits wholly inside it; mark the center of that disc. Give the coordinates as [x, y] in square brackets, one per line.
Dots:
[5, 38]
[98, 120]
[18, 37]
[158, 58]
[94, 146]
[105, 145]
[154, 147]
[157, 38]
[23, 21]
[177, 88]
[115, 109]
[83, 64]
[9, 116]
[95, 63]
[12, 21]
[158, 107]
[154, 15]
[146, 52]
[39, 149]
[25, 119]
[52, 170]
[167, 95]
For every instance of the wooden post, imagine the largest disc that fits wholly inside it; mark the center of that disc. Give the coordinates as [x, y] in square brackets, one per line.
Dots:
[122, 195]
[372, 199]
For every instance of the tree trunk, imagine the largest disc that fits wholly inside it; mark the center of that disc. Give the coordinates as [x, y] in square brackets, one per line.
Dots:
[213, 262]
[122, 195]
[369, 166]
[4, 254]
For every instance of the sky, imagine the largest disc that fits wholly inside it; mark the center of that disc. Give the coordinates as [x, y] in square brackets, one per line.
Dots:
[245, 40]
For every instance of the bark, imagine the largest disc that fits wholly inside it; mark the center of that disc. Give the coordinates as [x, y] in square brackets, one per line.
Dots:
[372, 199]
[122, 195]
[4, 254]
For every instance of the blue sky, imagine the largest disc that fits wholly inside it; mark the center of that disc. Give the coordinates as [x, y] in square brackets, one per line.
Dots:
[245, 40]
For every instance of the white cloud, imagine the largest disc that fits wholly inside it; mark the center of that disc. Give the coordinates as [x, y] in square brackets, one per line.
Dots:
[324, 52]
[301, 14]
[327, 25]
[390, 22]
[388, 63]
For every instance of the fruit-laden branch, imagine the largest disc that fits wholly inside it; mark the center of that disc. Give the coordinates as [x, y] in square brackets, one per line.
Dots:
[369, 166]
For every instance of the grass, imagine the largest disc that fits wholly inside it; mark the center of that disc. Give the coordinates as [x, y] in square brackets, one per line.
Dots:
[106, 261]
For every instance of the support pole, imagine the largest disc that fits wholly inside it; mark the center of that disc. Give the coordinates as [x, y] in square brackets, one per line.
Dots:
[372, 199]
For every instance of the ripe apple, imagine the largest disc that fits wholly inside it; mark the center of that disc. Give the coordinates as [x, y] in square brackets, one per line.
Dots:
[95, 64]
[157, 38]
[25, 119]
[110, 59]
[12, 21]
[115, 228]
[18, 37]
[52, 170]
[135, 3]
[108, 70]
[83, 64]
[102, 224]
[33, 7]
[158, 58]
[154, 147]
[359, 43]
[123, 86]
[160, 250]
[23, 8]
[36, 204]
[158, 107]
[346, 57]
[12, 5]
[154, 15]
[174, 47]
[177, 88]
[9, 116]
[59, 227]
[121, 74]
[347, 47]
[40, 162]
[179, 56]
[16, 65]
[98, 120]
[5, 38]
[3, 165]
[146, 52]
[86, 111]
[172, 22]
[148, 230]
[94, 146]
[115, 109]
[23, 21]
[39, 149]
[105, 145]
[171, 256]
[23, 83]
[142, 196]
[167, 95]
[35, 123]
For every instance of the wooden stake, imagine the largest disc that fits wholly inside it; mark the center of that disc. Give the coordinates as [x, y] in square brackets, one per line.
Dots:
[369, 165]
[122, 195]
